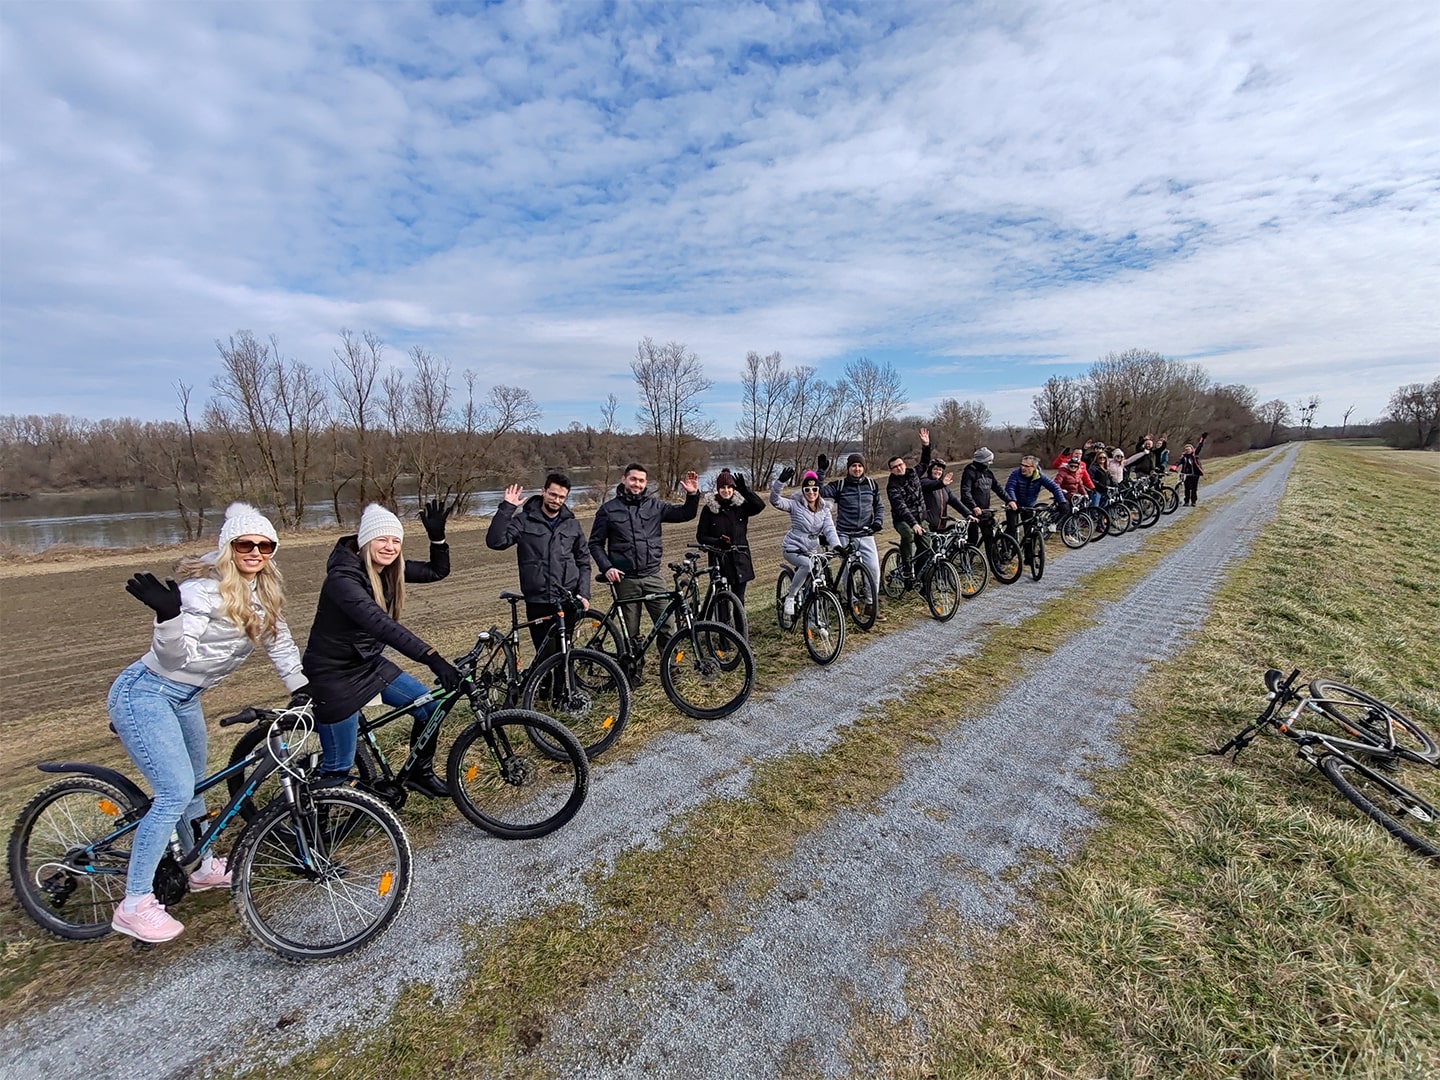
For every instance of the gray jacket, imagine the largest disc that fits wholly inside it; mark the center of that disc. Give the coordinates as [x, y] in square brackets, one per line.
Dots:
[857, 504]
[201, 645]
[807, 527]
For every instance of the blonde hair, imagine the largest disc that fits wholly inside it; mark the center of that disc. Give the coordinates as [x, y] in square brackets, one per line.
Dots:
[395, 573]
[235, 594]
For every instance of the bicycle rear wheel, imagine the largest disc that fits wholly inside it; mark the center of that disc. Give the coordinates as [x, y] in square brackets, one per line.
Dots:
[1149, 511]
[698, 674]
[1036, 559]
[970, 568]
[348, 891]
[1370, 719]
[586, 693]
[725, 607]
[67, 877]
[1408, 813]
[1169, 500]
[892, 578]
[1099, 523]
[823, 622]
[1119, 518]
[1005, 558]
[782, 590]
[862, 598]
[942, 590]
[506, 789]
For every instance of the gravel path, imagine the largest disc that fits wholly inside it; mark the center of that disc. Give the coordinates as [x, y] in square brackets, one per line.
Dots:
[851, 889]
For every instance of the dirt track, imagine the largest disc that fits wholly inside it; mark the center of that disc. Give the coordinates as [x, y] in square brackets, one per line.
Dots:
[67, 629]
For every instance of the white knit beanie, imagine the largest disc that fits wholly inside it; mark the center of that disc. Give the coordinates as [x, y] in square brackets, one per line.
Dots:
[242, 519]
[377, 521]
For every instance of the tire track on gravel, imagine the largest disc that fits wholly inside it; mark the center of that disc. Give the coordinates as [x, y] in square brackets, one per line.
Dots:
[780, 998]
[272, 1011]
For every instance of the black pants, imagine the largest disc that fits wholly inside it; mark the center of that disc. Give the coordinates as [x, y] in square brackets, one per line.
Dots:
[1192, 488]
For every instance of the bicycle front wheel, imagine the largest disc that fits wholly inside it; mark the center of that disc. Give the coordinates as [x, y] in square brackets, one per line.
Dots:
[969, 564]
[1408, 815]
[1371, 720]
[585, 692]
[251, 745]
[698, 672]
[861, 597]
[1149, 511]
[1099, 523]
[1075, 530]
[1005, 558]
[1037, 556]
[892, 579]
[942, 590]
[506, 789]
[1119, 518]
[341, 894]
[823, 621]
[67, 876]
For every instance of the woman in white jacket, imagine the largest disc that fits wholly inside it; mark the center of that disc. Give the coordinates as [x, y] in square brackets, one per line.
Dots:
[810, 522]
[205, 627]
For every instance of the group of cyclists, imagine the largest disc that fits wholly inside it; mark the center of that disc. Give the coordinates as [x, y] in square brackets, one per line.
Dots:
[229, 602]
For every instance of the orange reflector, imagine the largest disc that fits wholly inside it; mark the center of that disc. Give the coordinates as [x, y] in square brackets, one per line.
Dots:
[387, 879]
[680, 656]
[108, 808]
[472, 772]
[608, 724]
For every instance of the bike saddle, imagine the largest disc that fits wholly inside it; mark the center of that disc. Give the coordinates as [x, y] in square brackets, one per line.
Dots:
[513, 597]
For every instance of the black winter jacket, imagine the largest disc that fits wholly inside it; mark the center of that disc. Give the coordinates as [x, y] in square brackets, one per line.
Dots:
[553, 561]
[630, 526]
[730, 519]
[907, 498]
[857, 505]
[344, 658]
[977, 483]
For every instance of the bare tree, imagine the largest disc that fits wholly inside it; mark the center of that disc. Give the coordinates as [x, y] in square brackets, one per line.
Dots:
[958, 427]
[480, 444]
[605, 445]
[1414, 412]
[353, 373]
[876, 397]
[1345, 420]
[1275, 415]
[767, 414]
[671, 380]
[196, 483]
[1305, 409]
[1057, 411]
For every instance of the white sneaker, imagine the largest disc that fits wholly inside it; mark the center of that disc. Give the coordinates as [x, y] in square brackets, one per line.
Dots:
[789, 607]
[149, 922]
[211, 875]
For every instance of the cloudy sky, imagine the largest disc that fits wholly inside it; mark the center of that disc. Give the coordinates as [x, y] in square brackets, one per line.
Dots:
[982, 193]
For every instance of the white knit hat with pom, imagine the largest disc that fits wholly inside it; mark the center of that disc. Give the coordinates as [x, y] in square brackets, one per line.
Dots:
[376, 521]
[242, 519]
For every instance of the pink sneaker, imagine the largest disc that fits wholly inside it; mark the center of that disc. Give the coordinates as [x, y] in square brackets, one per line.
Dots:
[211, 875]
[149, 922]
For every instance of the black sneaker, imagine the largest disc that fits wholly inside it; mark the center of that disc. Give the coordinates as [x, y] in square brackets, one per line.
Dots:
[427, 783]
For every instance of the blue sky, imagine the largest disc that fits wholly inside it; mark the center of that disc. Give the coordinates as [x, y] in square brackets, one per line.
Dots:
[982, 193]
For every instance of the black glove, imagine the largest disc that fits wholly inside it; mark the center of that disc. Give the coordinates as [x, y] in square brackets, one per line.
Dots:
[164, 600]
[740, 484]
[445, 672]
[725, 542]
[300, 698]
[1204, 434]
[823, 462]
[786, 474]
[433, 518]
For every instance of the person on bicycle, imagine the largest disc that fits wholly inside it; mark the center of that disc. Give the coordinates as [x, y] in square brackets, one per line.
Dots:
[1101, 477]
[977, 484]
[1023, 486]
[358, 614]
[810, 523]
[724, 524]
[1190, 470]
[625, 543]
[228, 602]
[906, 493]
[550, 548]
[1074, 479]
[858, 513]
[938, 496]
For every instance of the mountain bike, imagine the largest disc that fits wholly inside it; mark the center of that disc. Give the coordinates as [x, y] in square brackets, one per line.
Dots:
[967, 559]
[317, 873]
[1363, 759]
[1075, 526]
[852, 580]
[493, 780]
[706, 668]
[1145, 509]
[720, 604]
[1033, 525]
[818, 608]
[935, 578]
[1001, 550]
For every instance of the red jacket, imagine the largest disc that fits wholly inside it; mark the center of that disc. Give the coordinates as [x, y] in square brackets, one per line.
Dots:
[1074, 481]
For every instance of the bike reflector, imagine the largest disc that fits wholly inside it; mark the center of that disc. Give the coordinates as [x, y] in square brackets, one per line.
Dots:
[387, 880]
[108, 808]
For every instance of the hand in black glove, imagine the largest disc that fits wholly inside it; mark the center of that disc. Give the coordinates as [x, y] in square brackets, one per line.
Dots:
[433, 518]
[740, 484]
[823, 462]
[300, 698]
[164, 600]
[786, 474]
[445, 672]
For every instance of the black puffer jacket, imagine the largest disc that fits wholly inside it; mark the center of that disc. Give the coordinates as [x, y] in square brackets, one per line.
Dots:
[907, 498]
[554, 562]
[344, 658]
[977, 484]
[729, 520]
[629, 525]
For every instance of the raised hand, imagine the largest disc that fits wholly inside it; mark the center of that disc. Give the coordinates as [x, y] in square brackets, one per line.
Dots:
[691, 483]
[786, 474]
[740, 484]
[924, 436]
[823, 462]
[164, 600]
[433, 518]
[513, 494]
[949, 478]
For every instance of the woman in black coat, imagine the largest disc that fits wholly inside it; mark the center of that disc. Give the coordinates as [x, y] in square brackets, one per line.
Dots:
[723, 524]
[358, 615]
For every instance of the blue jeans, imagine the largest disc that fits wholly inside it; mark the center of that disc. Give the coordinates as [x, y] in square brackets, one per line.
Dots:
[163, 730]
[337, 741]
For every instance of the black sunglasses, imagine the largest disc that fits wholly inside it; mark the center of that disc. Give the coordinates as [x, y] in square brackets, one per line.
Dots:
[244, 547]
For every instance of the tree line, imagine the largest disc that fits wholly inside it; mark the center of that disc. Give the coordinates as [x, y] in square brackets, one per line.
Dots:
[272, 430]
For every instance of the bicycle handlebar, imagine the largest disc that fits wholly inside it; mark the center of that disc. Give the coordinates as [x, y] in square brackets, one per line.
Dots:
[248, 716]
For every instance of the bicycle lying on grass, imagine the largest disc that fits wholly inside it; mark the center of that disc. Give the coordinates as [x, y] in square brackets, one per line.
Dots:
[1363, 761]
[495, 778]
[317, 873]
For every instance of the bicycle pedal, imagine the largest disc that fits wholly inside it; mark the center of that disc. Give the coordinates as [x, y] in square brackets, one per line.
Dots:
[141, 946]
